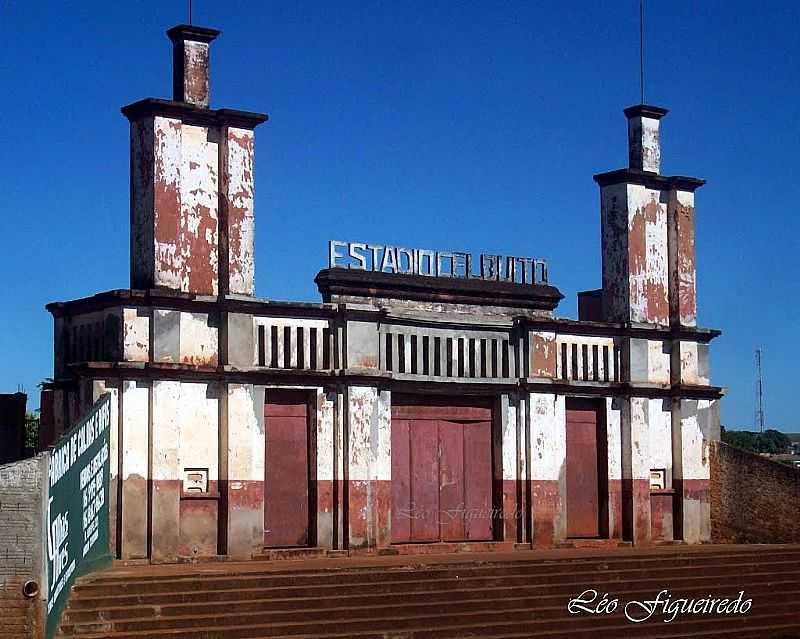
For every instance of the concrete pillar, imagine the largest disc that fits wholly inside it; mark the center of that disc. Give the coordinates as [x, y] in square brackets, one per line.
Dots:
[683, 285]
[244, 486]
[644, 146]
[635, 459]
[166, 471]
[548, 441]
[614, 410]
[190, 63]
[237, 241]
[635, 261]
[513, 469]
[369, 467]
[329, 485]
[135, 445]
[695, 424]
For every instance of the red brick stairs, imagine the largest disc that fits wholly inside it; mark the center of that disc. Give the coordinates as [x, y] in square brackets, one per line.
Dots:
[492, 595]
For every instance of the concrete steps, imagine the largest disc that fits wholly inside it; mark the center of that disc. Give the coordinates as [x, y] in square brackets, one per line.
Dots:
[492, 595]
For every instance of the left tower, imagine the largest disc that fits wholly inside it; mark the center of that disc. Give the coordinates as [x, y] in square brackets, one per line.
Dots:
[192, 225]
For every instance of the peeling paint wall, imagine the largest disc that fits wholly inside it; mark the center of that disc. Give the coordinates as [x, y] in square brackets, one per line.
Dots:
[636, 469]
[647, 256]
[327, 475]
[135, 335]
[660, 440]
[237, 188]
[644, 148]
[543, 354]
[194, 87]
[513, 467]
[683, 284]
[369, 467]
[166, 470]
[697, 424]
[548, 455]
[168, 267]
[245, 470]
[135, 448]
[614, 414]
[199, 215]
[174, 206]
[614, 243]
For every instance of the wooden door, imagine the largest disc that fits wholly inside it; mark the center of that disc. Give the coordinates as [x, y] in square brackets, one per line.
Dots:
[286, 472]
[583, 494]
[441, 473]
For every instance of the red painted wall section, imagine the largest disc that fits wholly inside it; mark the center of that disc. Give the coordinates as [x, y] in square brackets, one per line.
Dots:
[661, 516]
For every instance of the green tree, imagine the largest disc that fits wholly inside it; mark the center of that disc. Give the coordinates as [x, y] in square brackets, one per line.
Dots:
[770, 441]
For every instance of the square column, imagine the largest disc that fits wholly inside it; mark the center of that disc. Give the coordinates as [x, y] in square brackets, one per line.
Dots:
[242, 409]
[166, 481]
[635, 438]
[513, 470]
[548, 441]
[369, 467]
[695, 424]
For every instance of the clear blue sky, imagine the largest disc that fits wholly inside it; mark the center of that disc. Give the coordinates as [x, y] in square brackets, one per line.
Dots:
[460, 125]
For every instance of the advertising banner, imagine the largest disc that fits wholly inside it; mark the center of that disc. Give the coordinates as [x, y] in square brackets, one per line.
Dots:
[77, 506]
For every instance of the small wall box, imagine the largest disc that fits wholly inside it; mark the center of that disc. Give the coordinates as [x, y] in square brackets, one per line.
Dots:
[658, 479]
[195, 480]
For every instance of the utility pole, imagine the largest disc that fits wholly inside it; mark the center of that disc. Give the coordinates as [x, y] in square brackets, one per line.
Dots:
[759, 393]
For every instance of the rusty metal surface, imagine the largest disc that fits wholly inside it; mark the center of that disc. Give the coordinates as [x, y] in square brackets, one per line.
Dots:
[286, 517]
[581, 471]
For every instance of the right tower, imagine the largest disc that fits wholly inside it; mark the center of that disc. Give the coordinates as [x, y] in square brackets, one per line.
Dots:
[648, 251]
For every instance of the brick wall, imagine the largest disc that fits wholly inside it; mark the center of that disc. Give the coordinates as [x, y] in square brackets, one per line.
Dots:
[21, 492]
[753, 499]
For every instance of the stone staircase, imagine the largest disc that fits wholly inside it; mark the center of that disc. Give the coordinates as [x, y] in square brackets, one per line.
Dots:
[493, 595]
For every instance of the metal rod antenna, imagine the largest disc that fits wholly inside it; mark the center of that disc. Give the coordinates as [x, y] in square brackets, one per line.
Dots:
[760, 417]
[641, 50]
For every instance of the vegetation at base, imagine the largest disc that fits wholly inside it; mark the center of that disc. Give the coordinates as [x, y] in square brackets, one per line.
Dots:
[770, 441]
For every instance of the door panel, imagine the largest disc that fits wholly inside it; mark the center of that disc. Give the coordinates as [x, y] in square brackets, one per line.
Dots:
[424, 480]
[451, 481]
[478, 481]
[582, 474]
[401, 481]
[286, 517]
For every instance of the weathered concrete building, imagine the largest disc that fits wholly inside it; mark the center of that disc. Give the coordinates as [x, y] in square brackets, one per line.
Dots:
[432, 400]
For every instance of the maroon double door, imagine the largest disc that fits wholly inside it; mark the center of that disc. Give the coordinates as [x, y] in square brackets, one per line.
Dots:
[441, 471]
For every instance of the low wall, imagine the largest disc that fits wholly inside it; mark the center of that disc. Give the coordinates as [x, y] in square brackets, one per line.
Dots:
[753, 499]
[22, 489]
